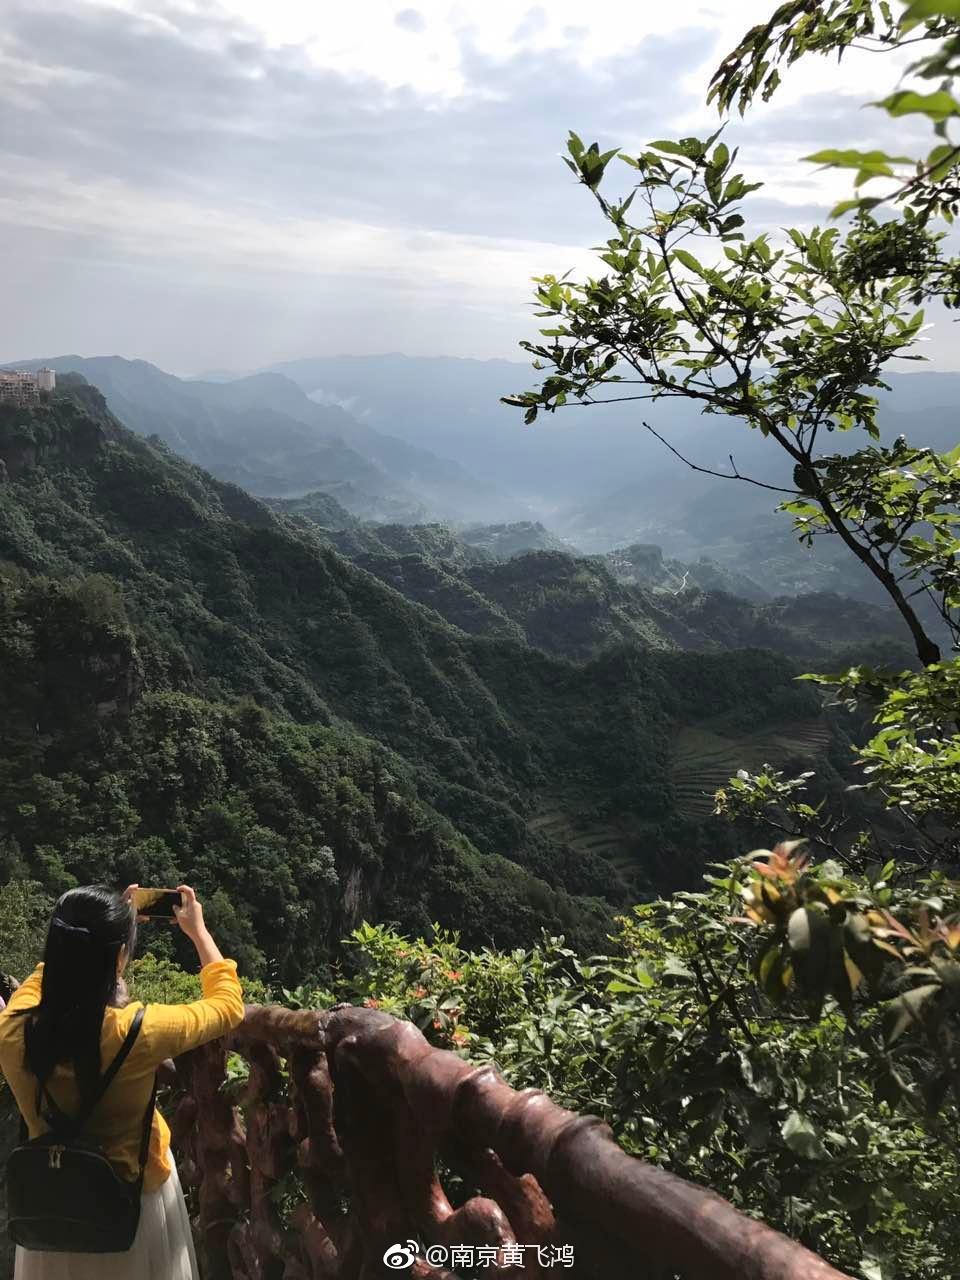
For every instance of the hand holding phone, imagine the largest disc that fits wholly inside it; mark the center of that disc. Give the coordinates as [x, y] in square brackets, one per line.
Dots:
[156, 904]
[189, 914]
[178, 906]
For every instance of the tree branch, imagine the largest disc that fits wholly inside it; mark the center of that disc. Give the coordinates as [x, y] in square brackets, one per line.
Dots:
[721, 475]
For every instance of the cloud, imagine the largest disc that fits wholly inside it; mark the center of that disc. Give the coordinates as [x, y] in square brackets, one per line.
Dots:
[532, 25]
[198, 106]
[411, 20]
[190, 151]
[363, 186]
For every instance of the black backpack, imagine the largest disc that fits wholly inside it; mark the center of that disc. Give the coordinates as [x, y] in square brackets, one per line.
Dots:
[63, 1194]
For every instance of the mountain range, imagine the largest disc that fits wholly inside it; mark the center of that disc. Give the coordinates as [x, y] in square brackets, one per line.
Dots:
[600, 480]
[404, 440]
[409, 728]
[518, 582]
[265, 434]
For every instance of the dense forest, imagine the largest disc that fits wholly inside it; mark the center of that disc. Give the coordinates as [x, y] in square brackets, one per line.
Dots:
[205, 688]
[521, 582]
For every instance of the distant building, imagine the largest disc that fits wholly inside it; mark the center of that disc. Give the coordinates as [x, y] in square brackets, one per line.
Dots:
[18, 388]
[24, 388]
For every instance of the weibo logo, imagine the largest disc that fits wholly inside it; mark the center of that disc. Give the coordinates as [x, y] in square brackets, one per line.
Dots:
[400, 1257]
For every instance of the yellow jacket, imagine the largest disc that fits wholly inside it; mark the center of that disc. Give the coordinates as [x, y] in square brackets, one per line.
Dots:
[166, 1031]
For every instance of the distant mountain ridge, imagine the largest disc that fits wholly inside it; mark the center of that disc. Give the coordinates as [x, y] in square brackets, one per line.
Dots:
[264, 433]
[518, 582]
[600, 481]
[426, 439]
[645, 565]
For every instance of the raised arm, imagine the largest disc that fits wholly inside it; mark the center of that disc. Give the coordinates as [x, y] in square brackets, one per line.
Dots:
[173, 1029]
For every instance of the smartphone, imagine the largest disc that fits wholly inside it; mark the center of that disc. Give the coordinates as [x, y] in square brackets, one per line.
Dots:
[156, 904]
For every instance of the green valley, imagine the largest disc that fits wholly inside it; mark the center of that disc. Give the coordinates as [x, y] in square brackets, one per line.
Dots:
[206, 687]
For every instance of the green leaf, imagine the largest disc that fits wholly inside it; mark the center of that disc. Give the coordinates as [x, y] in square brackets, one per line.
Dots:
[689, 261]
[806, 509]
[771, 974]
[936, 106]
[876, 160]
[941, 160]
[801, 1136]
[675, 968]
[920, 10]
[864, 203]
[907, 1010]
[644, 977]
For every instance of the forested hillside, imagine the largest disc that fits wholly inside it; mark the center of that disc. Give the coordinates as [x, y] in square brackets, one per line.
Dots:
[170, 630]
[486, 581]
[612, 483]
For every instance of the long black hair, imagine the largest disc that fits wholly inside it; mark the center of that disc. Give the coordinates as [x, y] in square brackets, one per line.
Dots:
[89, 929]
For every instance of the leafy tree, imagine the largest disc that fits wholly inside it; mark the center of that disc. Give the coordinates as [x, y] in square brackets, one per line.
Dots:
[786, 1037]
[24, 912]
[798, 28]
[793, 337]
[160, 981]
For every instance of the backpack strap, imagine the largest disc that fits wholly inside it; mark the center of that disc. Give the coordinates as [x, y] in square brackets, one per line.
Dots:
[61, 1122]
[147, 1128]
[76, 1123]
[108, 1077]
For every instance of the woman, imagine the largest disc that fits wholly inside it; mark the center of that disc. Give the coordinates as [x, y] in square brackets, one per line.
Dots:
[67, 1022]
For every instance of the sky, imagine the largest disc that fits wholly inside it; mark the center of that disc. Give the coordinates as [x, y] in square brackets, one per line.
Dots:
[228, 185]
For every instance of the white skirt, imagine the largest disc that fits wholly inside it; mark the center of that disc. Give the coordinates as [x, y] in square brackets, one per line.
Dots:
[162, 1250]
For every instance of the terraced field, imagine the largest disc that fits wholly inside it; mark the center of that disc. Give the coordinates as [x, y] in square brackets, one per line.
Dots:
[704, 759]
[608, 840]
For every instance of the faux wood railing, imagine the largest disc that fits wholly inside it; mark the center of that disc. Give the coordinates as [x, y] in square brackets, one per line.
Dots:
[326, 1168]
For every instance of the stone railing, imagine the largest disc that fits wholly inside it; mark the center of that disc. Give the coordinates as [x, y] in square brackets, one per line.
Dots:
[352, 1135]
